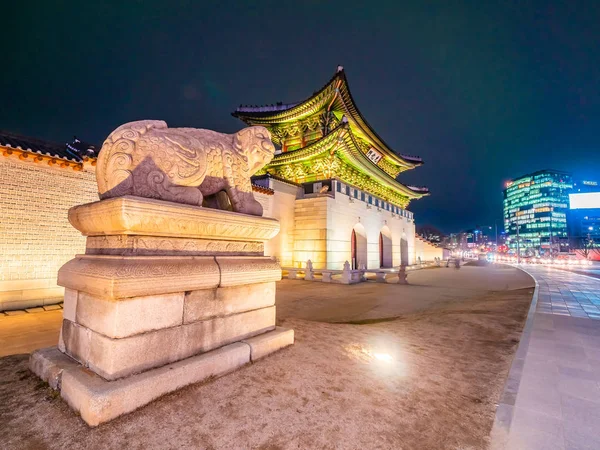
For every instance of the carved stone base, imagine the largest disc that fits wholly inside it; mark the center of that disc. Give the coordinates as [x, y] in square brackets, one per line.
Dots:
[145, 217]
[160, 283]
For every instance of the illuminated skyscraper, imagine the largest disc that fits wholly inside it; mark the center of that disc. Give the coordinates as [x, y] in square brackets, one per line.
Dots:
[535, 211]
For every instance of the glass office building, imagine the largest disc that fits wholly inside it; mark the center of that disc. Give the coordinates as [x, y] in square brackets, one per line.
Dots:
[535, 212]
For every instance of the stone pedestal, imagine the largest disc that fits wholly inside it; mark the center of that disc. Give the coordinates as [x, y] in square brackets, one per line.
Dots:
[165, 295]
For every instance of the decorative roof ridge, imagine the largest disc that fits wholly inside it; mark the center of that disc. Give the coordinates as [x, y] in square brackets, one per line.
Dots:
[262, 189]
[279, 105]
[13, 135]
[275, 177]
[417, 188]
[66, 152]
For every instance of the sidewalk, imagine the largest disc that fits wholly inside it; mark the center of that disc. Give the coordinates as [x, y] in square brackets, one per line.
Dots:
[552, 396]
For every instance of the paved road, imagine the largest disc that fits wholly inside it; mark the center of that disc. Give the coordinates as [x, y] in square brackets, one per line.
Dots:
[592, 271]
[552, 396]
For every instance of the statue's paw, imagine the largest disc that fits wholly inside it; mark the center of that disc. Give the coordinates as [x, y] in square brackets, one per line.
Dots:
[254, 208]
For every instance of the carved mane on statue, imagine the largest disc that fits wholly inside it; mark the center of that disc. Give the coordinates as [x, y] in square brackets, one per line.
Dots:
[184, 165]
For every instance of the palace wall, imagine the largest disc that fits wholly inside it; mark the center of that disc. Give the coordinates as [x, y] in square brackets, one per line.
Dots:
[36, 238]
[426, 251]
[319, 227]
[280, 205]
[347, 214]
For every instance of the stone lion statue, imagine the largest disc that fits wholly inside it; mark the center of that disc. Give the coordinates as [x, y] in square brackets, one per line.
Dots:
[183, 165]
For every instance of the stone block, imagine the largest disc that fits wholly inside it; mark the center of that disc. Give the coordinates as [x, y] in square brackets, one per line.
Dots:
[28, 284]
[15, 312]
[126, 317]
[292, 274]
[116, 358]
[76, 341]
[39, 295]
[49, 364]
[52, 307]
[61, 341]
[135, 276]
[240, 270]
[267, 343]
[210, 303]
[208, 334]
[70, 304]
[99, 401]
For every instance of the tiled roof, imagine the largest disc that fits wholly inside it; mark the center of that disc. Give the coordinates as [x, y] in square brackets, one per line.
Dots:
[336, 92]
[74, 151]
[262, 189]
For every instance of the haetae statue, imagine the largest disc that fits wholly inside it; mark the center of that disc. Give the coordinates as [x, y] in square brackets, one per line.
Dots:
[183, 165]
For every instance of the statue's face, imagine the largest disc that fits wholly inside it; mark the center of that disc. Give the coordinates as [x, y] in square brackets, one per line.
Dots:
[255, 143]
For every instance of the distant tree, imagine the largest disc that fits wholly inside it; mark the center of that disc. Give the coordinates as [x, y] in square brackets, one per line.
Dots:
[587, 247]
[430, 233]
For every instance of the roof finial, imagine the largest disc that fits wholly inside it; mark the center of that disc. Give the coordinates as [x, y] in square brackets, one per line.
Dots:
[340, 68]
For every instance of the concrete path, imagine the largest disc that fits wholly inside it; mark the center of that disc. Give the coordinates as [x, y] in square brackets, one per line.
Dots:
[26, 332]
[552, 396]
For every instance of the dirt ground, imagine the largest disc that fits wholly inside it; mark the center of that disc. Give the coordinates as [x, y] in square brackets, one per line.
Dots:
[420, 370]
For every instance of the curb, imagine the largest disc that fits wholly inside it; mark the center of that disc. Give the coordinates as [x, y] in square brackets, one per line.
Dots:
[504, 410]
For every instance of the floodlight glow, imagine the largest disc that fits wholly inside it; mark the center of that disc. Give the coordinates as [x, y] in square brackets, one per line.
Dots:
[586, 200]
[383, 357]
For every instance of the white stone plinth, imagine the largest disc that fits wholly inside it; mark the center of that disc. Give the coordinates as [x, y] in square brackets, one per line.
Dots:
[166, 295]
[98, 400]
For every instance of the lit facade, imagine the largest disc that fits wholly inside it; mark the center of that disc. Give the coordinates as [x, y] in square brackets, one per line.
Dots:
[535, 211]
[39, 182]
[349, 204]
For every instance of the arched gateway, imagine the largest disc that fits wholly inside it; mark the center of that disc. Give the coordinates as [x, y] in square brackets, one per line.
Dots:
[385, 248]
[358, 243]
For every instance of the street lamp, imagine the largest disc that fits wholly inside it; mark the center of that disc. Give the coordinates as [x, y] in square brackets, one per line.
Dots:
[496, 228]
[518, 244]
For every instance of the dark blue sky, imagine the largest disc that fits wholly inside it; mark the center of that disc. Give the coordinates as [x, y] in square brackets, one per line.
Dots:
[483, 91]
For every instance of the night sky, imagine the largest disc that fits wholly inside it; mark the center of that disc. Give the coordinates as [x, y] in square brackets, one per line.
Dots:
[482, 91]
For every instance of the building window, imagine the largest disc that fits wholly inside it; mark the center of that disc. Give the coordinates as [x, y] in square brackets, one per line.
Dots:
[362, 196]
[370, 200]
[339, 186]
